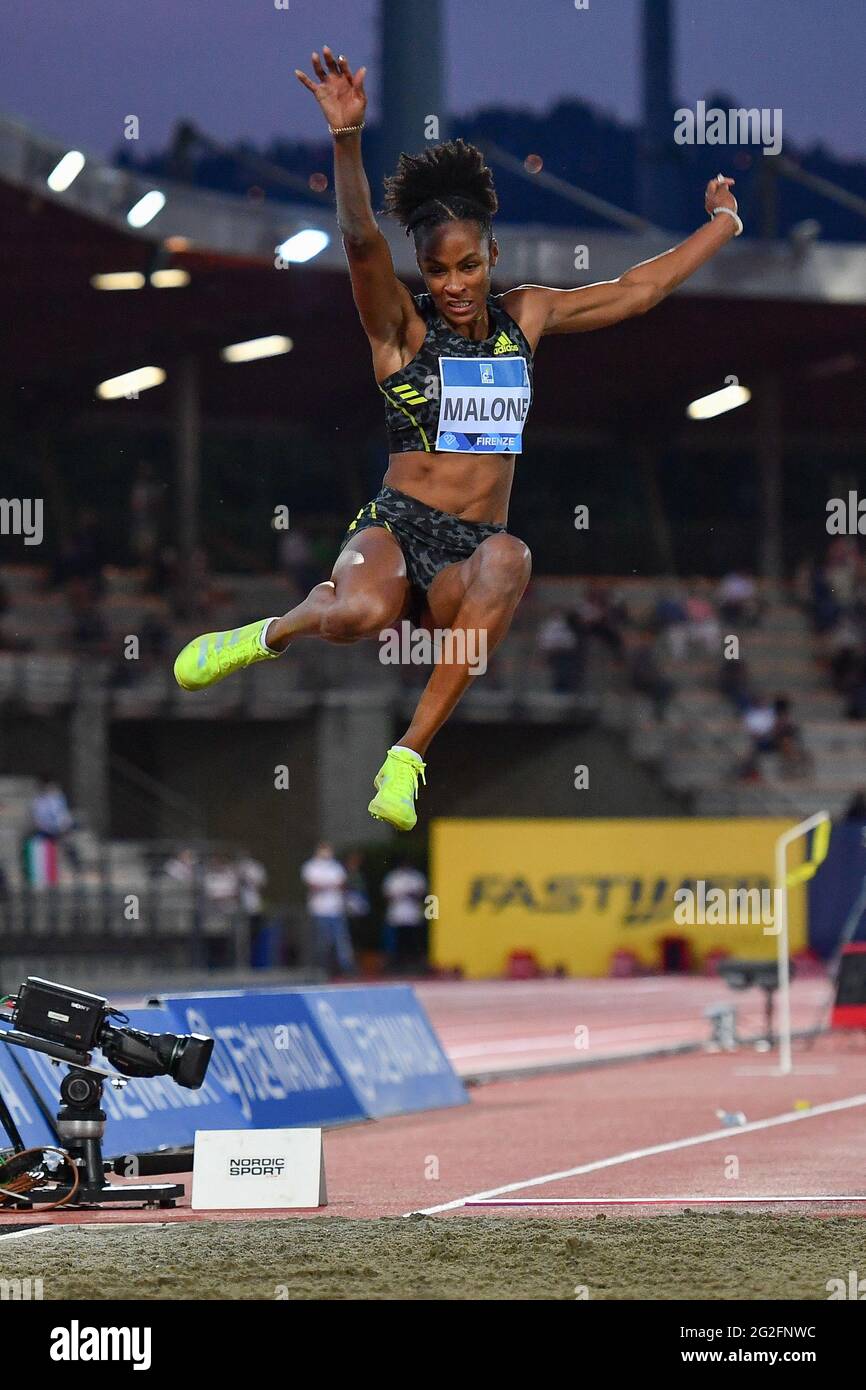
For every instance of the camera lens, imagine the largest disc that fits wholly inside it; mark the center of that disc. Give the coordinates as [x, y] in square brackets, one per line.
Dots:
[190, 1060]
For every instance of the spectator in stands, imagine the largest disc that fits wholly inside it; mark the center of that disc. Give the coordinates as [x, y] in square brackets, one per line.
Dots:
[737, 597]
[735, 683]
[845, 651]
[561, 640]
[252, 879]
[702, 623]
[794, 761]
[843, 568]
[222, 893]
[774, 730]
[670, 620]
[221, 883]
[182, 867]
[403, 889]
[357, 897]
[325, 879]
[52, 819]
[857, 808]
[758, 721]
[826, 608]
[646, 674]
[601, 616]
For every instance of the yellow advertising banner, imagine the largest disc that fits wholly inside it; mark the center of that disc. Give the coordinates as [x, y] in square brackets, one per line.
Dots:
[574, 892]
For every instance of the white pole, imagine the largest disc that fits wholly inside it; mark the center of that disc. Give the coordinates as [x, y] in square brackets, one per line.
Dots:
[781, 925]
[780, 930]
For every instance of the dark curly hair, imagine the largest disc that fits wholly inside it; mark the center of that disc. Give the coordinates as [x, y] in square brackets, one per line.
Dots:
[445, 183]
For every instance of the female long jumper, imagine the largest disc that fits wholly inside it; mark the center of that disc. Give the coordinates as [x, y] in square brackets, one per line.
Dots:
[455, 369]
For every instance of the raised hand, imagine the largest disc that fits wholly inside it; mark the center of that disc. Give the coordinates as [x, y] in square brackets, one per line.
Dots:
[340, 94]
[718, 194]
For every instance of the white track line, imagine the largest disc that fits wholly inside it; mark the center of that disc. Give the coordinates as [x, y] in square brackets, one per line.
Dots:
[788, 1118]
[644, 1201]
[660, 1032]
[31, 1231]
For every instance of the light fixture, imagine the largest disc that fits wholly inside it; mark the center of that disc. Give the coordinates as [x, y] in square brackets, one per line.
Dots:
[169, 279]
[146, 209]
[303, 246]
[717, 402]
[118, 280]
[64, 173]
[130, 383]
[256, 348]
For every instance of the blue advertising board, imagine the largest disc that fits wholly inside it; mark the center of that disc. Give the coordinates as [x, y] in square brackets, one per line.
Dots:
[386, 1048]
[281, 1059]
[270, 1057]
[29, 1119]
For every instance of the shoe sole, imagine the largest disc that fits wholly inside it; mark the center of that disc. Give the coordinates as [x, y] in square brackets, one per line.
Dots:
[388, 821]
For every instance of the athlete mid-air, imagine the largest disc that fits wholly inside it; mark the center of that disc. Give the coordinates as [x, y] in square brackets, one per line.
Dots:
[454, 366]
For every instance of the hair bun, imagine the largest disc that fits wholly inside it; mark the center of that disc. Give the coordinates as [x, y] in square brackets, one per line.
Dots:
[447, 181]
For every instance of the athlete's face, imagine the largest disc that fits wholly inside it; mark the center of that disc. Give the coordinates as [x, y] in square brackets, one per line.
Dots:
[456, 261]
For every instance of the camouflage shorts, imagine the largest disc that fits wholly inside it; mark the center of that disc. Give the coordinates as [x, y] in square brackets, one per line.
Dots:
[429, 539]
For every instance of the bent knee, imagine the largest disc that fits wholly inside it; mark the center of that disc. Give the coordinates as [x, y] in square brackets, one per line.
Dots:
[506, 562]
[352, 622]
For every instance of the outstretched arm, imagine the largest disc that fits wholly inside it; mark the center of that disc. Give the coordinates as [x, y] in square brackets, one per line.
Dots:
[541, 310]
[383, 302]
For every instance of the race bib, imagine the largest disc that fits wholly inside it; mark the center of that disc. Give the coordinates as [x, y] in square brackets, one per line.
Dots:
[483, 404]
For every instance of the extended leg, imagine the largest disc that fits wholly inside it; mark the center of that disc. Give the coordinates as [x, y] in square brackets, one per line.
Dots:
[477, 598]
[474, 601]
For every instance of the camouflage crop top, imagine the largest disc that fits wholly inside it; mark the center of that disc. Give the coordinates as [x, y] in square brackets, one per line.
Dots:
[458, 395]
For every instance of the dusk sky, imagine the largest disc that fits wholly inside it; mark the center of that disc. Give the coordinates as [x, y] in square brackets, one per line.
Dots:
[74, 70]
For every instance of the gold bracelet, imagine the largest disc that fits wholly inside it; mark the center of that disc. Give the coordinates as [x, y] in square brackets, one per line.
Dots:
[344, 129]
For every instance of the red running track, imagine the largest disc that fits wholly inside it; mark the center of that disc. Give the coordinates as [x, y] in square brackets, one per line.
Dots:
[490, 1026]
[644, 1128]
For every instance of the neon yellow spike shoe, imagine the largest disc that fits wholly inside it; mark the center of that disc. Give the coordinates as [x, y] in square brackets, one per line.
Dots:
[208, 659]
[396, 785]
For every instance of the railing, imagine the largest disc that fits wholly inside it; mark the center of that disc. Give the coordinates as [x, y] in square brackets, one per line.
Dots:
[175, 903]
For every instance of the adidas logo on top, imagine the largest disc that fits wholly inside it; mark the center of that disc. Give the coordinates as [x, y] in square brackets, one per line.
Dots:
[504, 344]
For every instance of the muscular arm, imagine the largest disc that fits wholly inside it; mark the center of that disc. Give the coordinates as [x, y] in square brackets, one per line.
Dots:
[354, 208]
[383, 302]
[541, 310]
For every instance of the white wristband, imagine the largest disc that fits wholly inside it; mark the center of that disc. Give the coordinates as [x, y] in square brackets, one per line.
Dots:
[730, 213]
